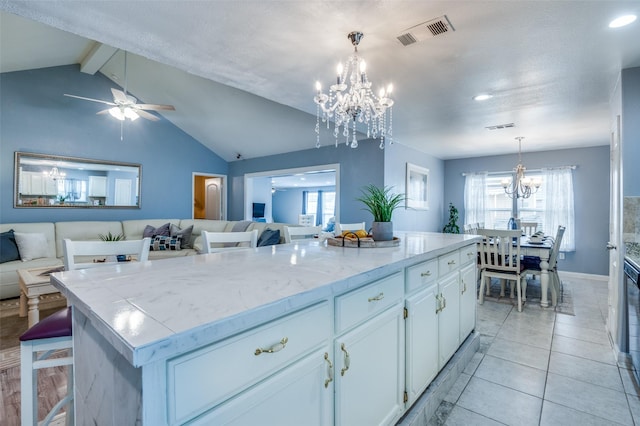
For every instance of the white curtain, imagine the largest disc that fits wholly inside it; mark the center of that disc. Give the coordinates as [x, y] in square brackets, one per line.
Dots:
[475, 186]
[558, 187]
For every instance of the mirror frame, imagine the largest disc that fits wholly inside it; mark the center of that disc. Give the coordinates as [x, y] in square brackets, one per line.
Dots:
[69, 163]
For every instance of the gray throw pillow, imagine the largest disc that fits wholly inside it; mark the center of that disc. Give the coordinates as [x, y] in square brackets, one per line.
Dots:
[184, 234]
[150, 231]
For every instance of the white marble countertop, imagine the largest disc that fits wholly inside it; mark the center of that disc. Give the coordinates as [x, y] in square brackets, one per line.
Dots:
[154, 310]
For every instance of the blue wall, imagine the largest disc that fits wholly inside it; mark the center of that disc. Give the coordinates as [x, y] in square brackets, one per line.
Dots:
[591, 197]
[395, 166]
[358, 167]
[36, 117]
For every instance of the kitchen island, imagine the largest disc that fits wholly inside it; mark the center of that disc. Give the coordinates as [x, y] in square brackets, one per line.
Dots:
[293, 333]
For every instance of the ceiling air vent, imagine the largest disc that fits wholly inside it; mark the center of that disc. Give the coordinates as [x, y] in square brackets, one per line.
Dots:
[429, 29]
[500, 126]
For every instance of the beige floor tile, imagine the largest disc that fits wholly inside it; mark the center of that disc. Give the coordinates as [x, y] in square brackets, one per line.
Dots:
[580, 348]
[595, 400]
[512, 375]
[586, 370]
[500, 403]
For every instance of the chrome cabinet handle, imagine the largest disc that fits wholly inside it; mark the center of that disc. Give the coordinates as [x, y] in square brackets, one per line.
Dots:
[611, 246]
[444, 302]
[438, 303]
[376, 298]
[275, 348]
[426, 274]
[347, 360]
[464, 287]
[329, 370]
[451, 262]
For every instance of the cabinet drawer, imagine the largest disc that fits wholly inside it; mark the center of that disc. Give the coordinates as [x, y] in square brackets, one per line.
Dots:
[358, 305]
[468, 254]
[204, 378]
[448, 263]
[421, 275]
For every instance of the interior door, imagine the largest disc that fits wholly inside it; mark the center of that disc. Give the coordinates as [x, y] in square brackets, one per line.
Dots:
[213, 199]
[123, 192]
[616, 322]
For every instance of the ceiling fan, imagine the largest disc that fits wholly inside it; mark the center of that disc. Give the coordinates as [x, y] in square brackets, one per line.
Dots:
[124, 105]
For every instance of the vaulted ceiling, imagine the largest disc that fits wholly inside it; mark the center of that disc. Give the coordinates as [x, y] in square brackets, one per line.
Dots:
[241, 73]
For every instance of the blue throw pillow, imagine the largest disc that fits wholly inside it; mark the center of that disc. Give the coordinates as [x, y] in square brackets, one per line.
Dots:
[269, 237]
[8, 248]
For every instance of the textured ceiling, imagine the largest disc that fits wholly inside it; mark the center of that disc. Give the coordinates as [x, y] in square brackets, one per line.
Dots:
[551, 66]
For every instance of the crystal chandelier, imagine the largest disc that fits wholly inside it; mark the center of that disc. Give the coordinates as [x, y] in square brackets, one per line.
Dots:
[351, 99]
[521, 186]
[54, 173]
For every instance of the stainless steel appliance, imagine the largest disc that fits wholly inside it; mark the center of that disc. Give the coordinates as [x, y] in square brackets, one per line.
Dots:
[631, 272]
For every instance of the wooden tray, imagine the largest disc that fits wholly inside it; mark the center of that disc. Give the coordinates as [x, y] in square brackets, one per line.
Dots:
[366, 242]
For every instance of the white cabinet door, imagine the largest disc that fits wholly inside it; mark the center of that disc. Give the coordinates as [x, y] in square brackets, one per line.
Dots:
[369, 371]
[421, 341]
[467, 300]
[295, 396]
[448, 317]
[97, 186]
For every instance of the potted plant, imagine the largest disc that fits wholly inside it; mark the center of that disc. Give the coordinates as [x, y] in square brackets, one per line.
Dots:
[381, 203]
[452, 227]
[61, 200]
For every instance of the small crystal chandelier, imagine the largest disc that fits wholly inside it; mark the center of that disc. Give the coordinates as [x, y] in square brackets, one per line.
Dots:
[351, 99]
[521, 186]
[55, 174]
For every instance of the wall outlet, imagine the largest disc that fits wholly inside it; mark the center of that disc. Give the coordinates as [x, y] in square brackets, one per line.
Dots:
[561, 256]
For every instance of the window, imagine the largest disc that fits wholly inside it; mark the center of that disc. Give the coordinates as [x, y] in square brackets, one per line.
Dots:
[327, 207]
[552, 205]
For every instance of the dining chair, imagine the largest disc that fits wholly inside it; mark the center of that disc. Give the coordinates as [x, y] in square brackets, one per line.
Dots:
[528, 228]
[341, 227]
[55, 332]
[91, 254]
[499, 253]
[214, 242]
[471, 228]
[532, 266]
[292, 233]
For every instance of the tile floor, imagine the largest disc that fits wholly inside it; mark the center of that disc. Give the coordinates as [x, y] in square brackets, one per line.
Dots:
[537, 367]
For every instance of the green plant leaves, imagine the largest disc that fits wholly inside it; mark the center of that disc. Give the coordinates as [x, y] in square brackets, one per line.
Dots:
[380, 202]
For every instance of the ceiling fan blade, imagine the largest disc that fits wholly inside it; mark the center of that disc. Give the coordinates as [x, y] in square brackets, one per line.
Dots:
[104, 111]
[155, 107]
[90, 99]
[119, 96]
[145, 114]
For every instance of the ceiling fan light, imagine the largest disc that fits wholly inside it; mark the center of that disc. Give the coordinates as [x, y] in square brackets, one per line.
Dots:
[131, 114]
[622, 21]
[115, 112]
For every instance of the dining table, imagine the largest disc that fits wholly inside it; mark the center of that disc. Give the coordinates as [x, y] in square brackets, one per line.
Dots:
[542, 250]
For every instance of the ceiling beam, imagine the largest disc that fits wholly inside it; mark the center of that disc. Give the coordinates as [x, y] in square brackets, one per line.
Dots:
[96, 58]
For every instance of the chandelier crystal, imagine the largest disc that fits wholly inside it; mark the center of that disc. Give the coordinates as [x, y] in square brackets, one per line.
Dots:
[521, 186]
[351, 100]
[54, 173]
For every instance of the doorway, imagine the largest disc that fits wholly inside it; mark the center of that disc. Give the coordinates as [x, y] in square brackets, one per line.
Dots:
[209, 196]
[270, 187]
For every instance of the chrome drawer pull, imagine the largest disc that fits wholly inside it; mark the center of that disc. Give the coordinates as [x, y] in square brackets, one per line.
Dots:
[426, 274]
[438, 303]
[347, 360]
[376, 298]
[275, 348]
[329, 371]
[451, 262]
[464, 287]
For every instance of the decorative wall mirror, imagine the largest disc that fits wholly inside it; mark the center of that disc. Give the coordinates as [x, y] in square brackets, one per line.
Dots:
[63, 182]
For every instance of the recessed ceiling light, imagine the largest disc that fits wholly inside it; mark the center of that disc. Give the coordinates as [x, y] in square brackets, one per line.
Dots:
[482, 97]
[622, 21]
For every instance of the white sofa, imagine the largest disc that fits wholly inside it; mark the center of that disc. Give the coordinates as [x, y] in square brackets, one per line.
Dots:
[56, 232]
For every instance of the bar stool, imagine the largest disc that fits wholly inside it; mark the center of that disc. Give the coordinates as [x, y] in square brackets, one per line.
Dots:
[36, 346]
